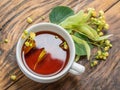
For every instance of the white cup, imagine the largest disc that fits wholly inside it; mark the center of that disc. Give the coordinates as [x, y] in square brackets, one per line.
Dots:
[71, 66]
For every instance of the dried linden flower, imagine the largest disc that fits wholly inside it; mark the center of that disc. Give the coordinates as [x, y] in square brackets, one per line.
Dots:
[97, 57]
[25, 32]
[107, 42]
[94, 14]
[6, 41]
[106, 48]
[91, 64]
[42, 17]
[98, 29]
[100, 33]
[101, 12]
[13, 77]
[95, 62]
[30, 44]
[106, 54]
[27, 44]
[65, 46]
[99, 52]
[110, 45]
[32, 35]
[91, 9]
[106, 26]
[29, 20]
[104, 58]
[100, 56]
[23, 36]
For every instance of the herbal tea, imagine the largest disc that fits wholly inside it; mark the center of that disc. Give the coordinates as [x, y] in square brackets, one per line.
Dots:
[46, 54]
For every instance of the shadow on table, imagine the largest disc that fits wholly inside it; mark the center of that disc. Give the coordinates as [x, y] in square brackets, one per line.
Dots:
[68, 82]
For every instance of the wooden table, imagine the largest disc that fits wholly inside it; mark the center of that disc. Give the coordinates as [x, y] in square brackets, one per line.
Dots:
[13, 14]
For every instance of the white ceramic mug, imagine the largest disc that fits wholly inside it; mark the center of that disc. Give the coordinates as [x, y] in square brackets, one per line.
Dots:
[71, 66]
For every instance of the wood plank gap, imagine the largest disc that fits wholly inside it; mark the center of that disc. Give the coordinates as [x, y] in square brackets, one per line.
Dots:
[111, 6]
[14, 82]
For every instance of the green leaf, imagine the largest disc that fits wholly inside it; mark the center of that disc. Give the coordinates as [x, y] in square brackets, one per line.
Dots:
[81, 36]
[80, 41]
[80, 49]
[93, 31]
[103, 37]
[84, 38]
[77, 23]
[73, 21]
[59, 14]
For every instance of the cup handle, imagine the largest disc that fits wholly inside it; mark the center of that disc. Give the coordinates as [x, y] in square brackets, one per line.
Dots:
[76, 69]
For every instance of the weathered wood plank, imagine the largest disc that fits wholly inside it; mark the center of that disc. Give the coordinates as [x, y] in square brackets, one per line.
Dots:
[97, 4]
[12, 21]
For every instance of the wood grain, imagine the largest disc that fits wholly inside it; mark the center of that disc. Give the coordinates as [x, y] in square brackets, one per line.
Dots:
[13, 14]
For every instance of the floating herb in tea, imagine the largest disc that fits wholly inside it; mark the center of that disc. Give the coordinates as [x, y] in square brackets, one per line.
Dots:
[40, 57]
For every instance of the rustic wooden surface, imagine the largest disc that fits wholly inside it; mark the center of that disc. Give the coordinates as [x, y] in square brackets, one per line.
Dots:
[13, 14]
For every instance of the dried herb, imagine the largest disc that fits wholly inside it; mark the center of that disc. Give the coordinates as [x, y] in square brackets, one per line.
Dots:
[13, 77]
[86, 28]
[40, 58]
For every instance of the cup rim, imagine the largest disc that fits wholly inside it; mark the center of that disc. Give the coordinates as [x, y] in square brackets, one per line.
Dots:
[33, 76]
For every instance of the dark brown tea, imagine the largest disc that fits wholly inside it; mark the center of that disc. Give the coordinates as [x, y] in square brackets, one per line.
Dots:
[48, 54]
